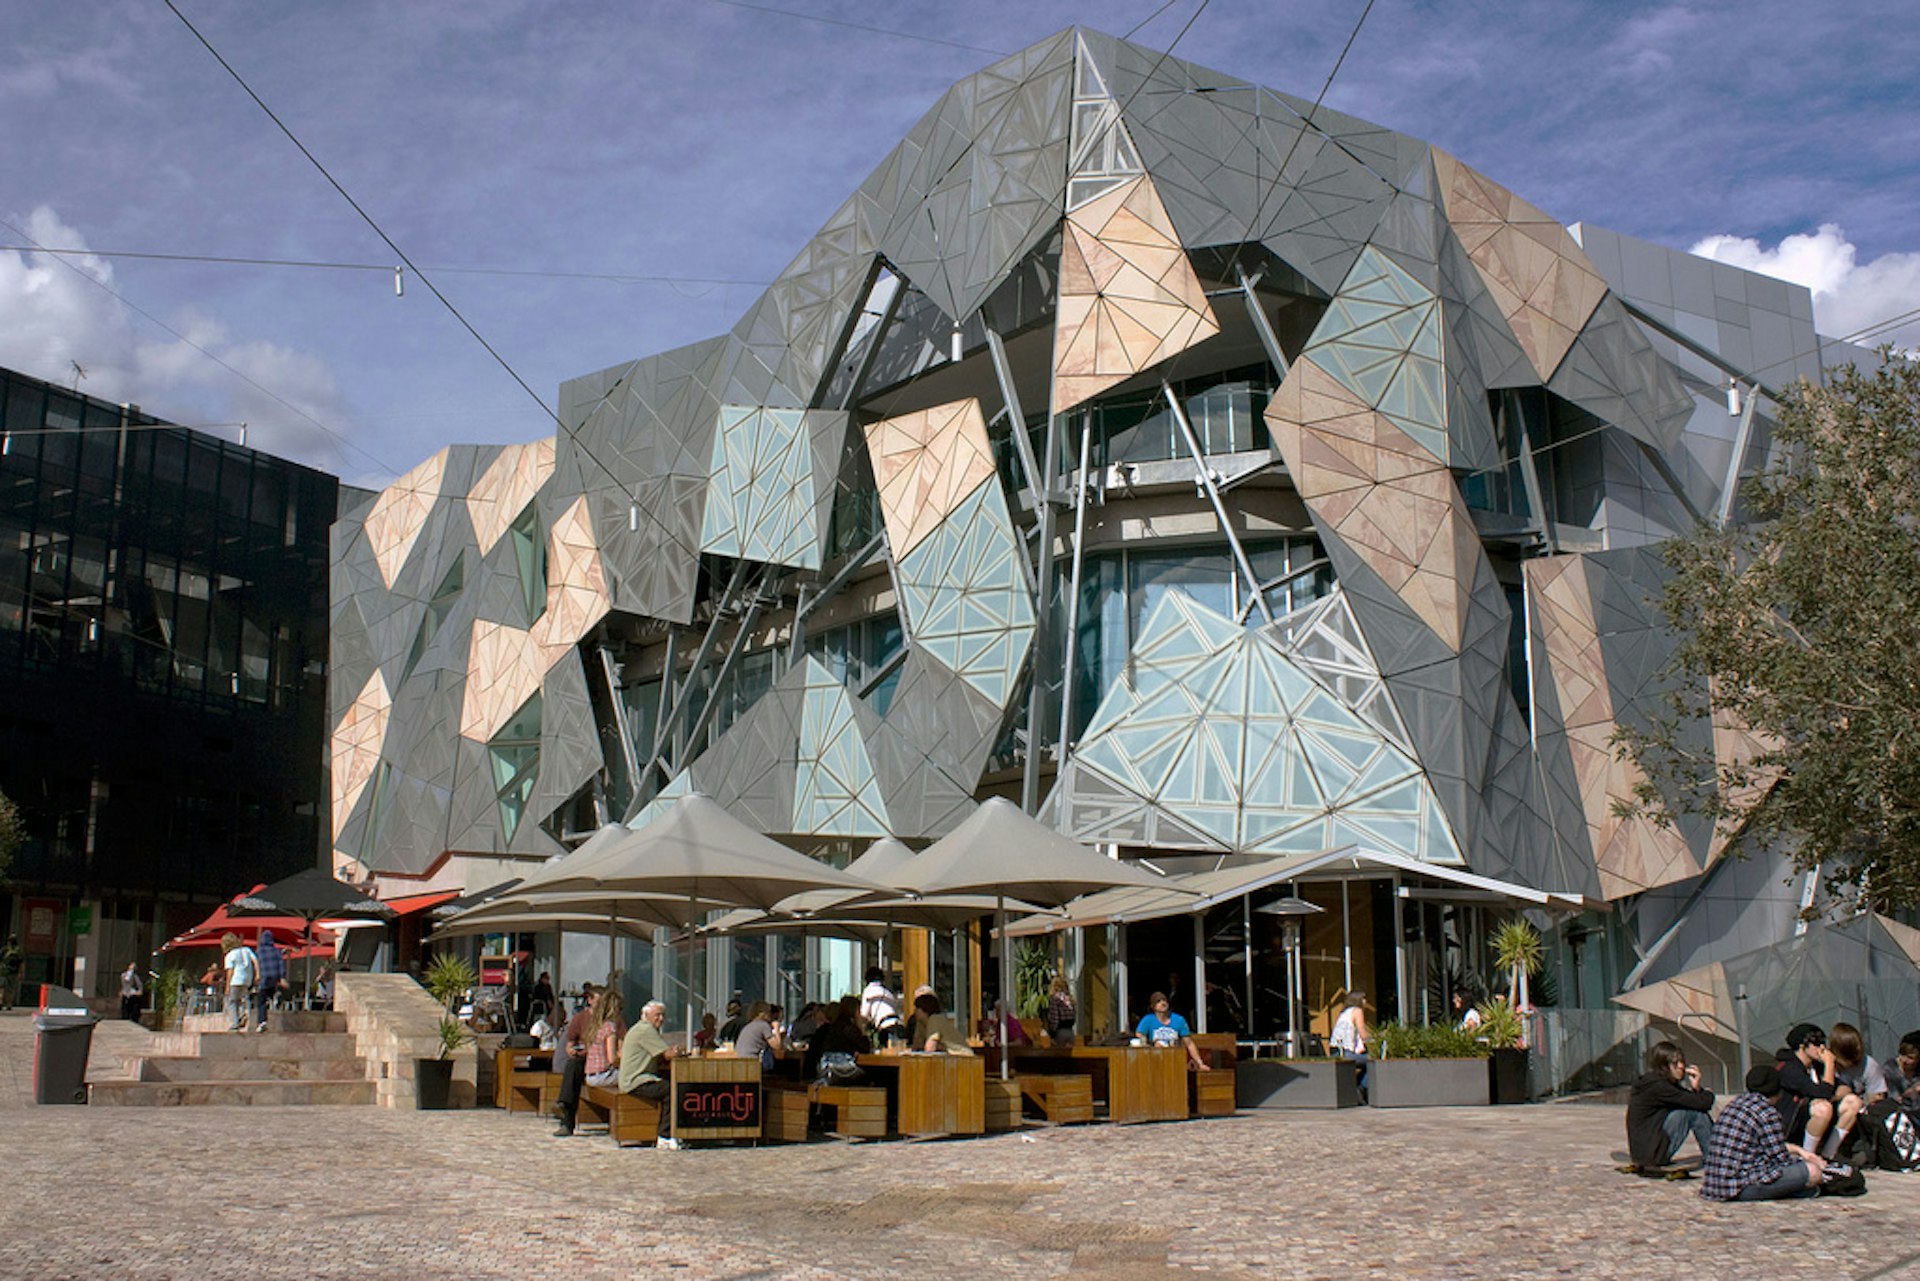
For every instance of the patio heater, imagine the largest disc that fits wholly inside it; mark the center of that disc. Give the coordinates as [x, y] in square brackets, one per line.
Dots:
[1291, 910]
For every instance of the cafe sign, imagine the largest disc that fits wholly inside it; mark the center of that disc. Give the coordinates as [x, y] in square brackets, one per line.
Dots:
[714, 1105]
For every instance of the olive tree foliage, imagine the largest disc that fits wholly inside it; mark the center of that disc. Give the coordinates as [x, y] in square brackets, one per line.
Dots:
[1801, 622]
[13, 830]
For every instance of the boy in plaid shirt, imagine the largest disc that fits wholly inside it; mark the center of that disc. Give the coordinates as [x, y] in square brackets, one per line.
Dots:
[1750, 1158]
[273, 977]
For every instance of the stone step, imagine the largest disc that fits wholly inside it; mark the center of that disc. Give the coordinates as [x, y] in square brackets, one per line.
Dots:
[231, 1093]
[195, 1070]
[281, 1021]
[255, 1045]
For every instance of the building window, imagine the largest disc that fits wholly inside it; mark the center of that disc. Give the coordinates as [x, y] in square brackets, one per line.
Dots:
[444, 597]
[530, 560]
[515, 753]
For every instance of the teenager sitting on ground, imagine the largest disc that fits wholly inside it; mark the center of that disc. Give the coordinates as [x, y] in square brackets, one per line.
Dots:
[1903, 1081]
[1810, 1112]
[1667, 1104]
[1855, 1072]
[1750, 1159]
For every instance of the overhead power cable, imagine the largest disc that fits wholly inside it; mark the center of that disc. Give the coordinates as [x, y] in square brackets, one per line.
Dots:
[625, 278]
[861, 26]
[268, 392]
[637, 508]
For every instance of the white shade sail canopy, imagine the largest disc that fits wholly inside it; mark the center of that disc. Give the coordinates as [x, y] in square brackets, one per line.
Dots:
[1000, 851]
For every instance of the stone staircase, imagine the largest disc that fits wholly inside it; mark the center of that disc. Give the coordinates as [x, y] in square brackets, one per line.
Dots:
[394, 1022]
[309, 1058]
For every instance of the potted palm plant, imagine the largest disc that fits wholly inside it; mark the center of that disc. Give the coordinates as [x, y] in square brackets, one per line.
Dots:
[1503, 1024]
[448, 979]
[1505, 1035]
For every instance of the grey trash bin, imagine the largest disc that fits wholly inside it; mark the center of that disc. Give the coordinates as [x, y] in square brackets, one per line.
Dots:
[65, 1029]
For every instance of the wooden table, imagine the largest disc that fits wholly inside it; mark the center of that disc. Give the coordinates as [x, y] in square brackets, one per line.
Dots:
[529, 1065]
[728, 1089]
[1137, 1083]
[932, 1093]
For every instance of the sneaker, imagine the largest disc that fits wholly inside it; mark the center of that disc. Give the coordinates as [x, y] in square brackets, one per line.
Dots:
[667, 1145]
[564, 1132]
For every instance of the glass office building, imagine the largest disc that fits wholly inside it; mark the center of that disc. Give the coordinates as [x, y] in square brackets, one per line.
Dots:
[162, 671]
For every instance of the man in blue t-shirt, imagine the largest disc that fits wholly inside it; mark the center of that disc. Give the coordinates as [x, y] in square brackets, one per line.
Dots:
[1165, 1028]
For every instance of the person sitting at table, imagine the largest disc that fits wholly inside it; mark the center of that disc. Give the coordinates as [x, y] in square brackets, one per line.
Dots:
[573, 1070]
[709, 1034]
[844, 1039]
[606, 1030]
[990, 1027]
[760, 1037]
[814, 1015]
[736, 1019]
[935, 1032]
[645, 1056]
[880, 1008]
[1061, 1012]
[1161, 1026]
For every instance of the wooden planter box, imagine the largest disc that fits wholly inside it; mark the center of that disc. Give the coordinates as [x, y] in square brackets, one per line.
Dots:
[1428, 1083]
[1296, 1083]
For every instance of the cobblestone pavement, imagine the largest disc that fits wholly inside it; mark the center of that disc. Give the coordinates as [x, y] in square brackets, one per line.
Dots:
[322, 1193]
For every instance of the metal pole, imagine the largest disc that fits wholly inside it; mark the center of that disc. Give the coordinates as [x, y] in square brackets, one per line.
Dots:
[1119, 955]
[1072, 638]
[1246, 954]
[1006, 986]
[1346, 937]
[1200, 970]
[1399, 952]
[1205, 479]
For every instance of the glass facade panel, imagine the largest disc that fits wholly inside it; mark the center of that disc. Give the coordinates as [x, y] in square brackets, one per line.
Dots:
[147, 585]
[515, 753]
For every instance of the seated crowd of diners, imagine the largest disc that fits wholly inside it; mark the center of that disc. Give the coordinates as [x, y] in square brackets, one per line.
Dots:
[597, 1048]
[1821, 1108]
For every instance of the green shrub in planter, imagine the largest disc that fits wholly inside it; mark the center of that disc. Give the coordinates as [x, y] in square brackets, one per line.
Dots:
[1428, 1041]
[1500, 1025]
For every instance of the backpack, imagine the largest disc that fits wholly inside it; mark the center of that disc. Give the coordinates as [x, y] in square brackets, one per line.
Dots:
[1896, 1140]
[1852, 1183]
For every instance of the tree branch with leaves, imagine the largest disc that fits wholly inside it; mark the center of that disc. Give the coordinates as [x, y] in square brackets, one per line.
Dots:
[1799, 645]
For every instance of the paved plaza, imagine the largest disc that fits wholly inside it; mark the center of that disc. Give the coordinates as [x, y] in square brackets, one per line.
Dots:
[317, 1193]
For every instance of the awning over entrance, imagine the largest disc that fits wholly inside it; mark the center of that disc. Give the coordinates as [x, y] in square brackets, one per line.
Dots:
[1199, 891]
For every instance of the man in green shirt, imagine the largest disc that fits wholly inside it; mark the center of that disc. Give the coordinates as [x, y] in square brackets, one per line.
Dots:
[644, 1059]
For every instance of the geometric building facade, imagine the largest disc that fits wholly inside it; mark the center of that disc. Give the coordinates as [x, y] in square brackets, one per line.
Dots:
[1220, 476]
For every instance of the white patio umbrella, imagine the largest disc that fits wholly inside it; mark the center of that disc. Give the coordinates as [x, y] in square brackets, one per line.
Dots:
[999, 851]
[698, 854]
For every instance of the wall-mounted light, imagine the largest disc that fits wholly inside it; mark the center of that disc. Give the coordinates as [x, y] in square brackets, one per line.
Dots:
[1733, 399]
[399, 282]
[93, 629]
[633, 517]
[959, 350]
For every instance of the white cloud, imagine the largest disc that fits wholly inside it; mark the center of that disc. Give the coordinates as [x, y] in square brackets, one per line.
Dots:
[52, 319]
[1848, 296]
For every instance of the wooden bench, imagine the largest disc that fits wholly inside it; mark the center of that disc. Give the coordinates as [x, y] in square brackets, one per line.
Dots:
[783, 1112]
[859, 1111]
[1064, 1099]
[1210, 1093]
[1003, 1105]
[628, 1118]
[517, 1068]
[530, 1091]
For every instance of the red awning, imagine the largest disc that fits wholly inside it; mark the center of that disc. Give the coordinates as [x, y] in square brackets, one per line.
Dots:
[412, 903]
[288, 931]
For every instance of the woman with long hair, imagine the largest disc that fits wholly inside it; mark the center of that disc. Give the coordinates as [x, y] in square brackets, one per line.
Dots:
[605, 1031]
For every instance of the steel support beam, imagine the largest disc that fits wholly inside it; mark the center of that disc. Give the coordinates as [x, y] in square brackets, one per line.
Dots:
[1205, 479]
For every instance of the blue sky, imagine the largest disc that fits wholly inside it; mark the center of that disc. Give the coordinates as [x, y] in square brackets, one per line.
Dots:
[703, 139]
